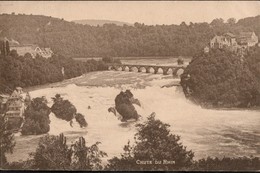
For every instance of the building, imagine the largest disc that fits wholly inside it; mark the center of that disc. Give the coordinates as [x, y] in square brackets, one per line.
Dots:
[238, 43]
[15, 107]
[247, 39]
[222, 41]
[32, 49]
[206, 49]
[218, 42]
[15, 104]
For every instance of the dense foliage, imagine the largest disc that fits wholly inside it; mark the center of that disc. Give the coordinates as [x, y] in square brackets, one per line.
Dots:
[124, 106]
[7, 142]
[70, 39]
[154, 143]
[36, 117]
[221, 78]
[63, 109]
[24, 71]
[53, 153]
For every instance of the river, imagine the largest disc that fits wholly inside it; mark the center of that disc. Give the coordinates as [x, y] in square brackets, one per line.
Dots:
[205, 132]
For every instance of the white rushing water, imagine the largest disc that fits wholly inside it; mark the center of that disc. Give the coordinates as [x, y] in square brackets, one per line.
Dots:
[206, 132]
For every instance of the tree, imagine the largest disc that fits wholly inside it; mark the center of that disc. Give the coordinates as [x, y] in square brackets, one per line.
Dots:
[217, 22]
[180, 61]
[36, 117]
[154, 143]
[7, 142]
[7, 48]
[231, 21]
[221, 79]
[86, 158]
[53, 153]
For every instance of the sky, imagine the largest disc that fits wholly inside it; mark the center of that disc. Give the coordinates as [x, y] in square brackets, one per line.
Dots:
[147, 12]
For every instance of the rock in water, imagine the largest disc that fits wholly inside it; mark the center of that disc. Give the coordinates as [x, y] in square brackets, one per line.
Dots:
[81, 120]
[135, 101]
[111, 109]
[124, 106]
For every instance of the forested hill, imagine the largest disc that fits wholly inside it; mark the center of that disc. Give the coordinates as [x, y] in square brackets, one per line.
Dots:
[93, 22]
[77, 40]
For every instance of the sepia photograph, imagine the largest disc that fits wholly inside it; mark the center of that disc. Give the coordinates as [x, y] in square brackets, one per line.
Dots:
[130, 85]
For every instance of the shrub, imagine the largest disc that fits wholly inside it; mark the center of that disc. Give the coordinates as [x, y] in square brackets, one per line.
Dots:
[180, 61]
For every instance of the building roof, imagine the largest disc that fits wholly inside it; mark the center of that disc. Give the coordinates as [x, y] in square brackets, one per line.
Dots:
[4, 96]
[230, 35]
[13, 112]
[246, 34]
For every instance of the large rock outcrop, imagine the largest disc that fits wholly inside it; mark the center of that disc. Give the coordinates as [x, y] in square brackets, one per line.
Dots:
[124, 105]
[65, 110]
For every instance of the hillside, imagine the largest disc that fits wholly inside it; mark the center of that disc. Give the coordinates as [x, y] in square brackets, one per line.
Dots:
[93, 22]
[77, 40]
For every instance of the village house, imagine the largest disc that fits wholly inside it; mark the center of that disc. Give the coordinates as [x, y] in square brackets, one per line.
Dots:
[247, 39]
[15, 107]
[238, 43]
[222, 41]
[15, 104]
[32, 49]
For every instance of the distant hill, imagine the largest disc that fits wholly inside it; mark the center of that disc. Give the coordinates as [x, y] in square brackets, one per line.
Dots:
[93, 22]
[77, 40]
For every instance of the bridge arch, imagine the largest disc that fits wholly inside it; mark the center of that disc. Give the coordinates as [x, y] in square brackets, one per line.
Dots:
[150, 69]
[125, 68]
[111, 67]
[170, 71]
[178, 71]
[133, 68]
[141, 68]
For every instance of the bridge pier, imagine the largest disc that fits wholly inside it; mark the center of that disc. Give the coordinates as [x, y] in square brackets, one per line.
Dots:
[155, 70]
[147, 70]
[165, 70]
[139, 69]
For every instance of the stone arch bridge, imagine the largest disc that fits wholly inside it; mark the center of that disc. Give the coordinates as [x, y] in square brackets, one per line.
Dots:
[147, 68]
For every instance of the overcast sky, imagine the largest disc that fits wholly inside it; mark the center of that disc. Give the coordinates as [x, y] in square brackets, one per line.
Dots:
[151, 13]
